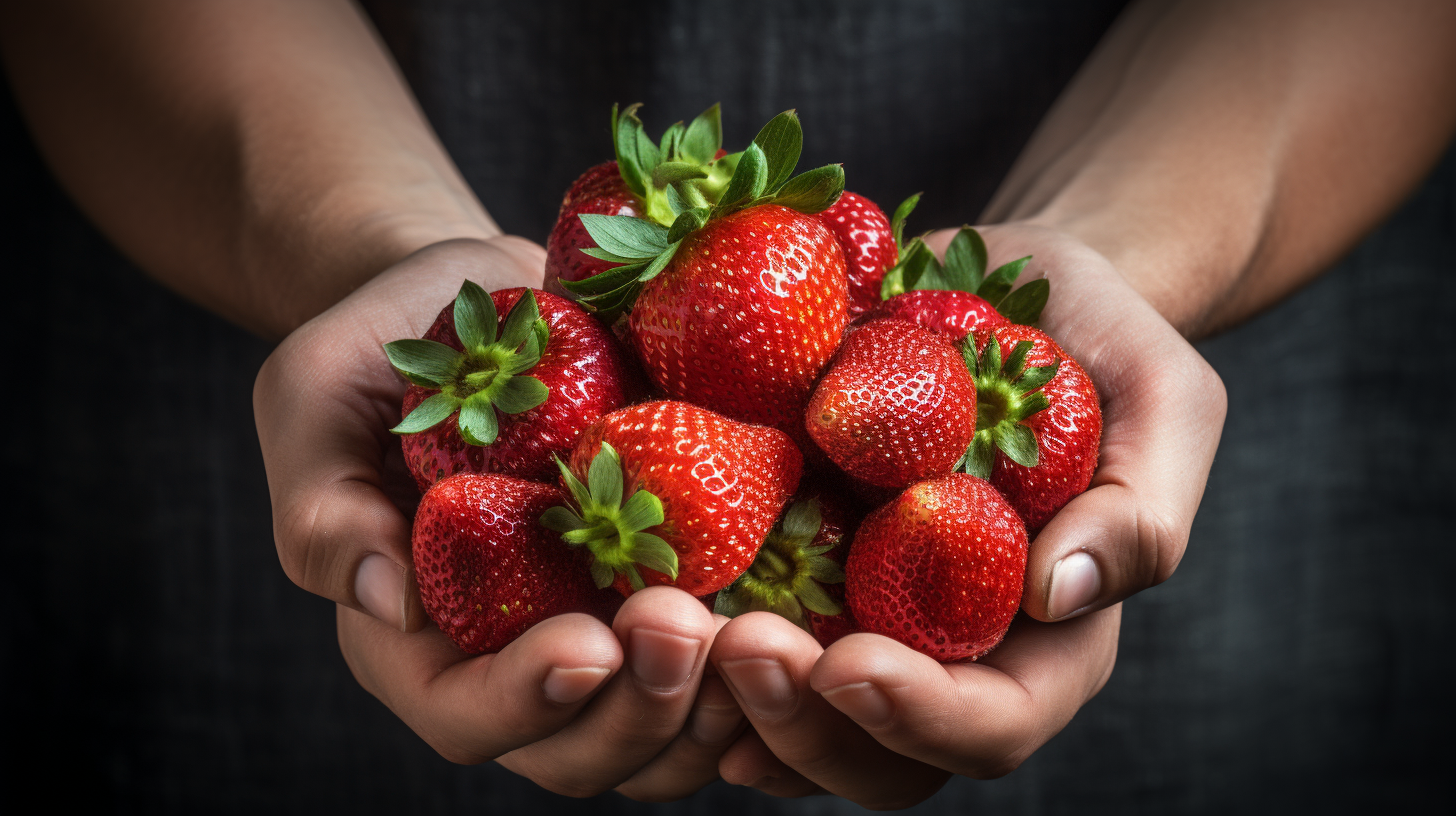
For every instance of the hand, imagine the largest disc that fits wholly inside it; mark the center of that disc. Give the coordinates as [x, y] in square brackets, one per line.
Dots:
[878, 723]
[555, 705]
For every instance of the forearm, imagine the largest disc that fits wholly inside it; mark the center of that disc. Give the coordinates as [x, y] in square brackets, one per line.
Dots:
[1223, 152]
[261, 158]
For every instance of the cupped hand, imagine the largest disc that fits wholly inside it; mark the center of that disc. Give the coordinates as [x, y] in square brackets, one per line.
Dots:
[880, 724]
[576, 706]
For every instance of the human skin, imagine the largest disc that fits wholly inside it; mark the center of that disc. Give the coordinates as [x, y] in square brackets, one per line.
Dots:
[268, 163]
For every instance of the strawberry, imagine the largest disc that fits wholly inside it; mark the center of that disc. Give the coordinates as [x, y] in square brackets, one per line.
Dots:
[865, 235]
[739, 305]
[670, 493]
[949, 311]
[940, 568]
[799, 572]
[487, 570]
[896, 406]
[522, 391]
[634, 185]
[1039, 422]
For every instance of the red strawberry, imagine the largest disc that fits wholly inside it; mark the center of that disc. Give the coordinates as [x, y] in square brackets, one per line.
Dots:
[864, 233]
[939, 569]
[799, 573]
[746, 316]
[1040, 422]
[948, 311]
[896, 406]
[635, 185]
[600, 191]
[740, 304]
[669, 493]
[487, 569]
[516, 401]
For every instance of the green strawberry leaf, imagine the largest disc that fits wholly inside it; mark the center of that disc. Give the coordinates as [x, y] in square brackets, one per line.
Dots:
[423, 362]
[1025, 303]
[781, 140]
[608, 281]
[475, 318]
[669, 173]
[520, 322]
[520, 394]
[563, 520]
[434, 410]
[625, 236]
[1016, 360]
[1034, 378]
[642, 511]
[703, 137]
[626, 128]
[980, 457]
[748, 181]
[688, 221]
[1018, 442]
[997, 284]
[670, 147]
[813, 191]
[965, 260]
[897, 221]
[812, 595]
[655, 554]
[604, 477]
[477, 421]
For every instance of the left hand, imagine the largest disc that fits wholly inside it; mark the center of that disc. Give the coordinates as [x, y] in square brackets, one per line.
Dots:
[880, 724]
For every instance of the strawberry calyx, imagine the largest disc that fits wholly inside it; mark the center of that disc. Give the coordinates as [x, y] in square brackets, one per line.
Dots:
[685, 153]
[487, 376]
[964, 270]
[613, 530]
[643, 247]
[787, 575]
[1007, 392]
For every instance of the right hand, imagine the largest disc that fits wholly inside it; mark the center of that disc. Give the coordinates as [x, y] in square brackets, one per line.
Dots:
[552, 706]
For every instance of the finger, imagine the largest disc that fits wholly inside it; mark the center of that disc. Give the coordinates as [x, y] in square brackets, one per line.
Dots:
[750, 763]
[666, 633]
[977, 719]
[768, 663]
[690, 761]
[472, 709]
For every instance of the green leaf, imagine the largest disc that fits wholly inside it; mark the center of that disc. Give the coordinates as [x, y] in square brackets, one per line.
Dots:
[642, 511]
[931, 275]
[676, 201]
[475, 318]
[603, 255]
[528, 356]
[815, 599]
[573, 484]
[781, 141]
[703, 137]
[1034, 378]
[747, 182]
[520, 322]
[602, 575]
[655, 554]
[625, 236]
[906, 274]
[897, 221]
[802, 521]
[825, 571]
[991, 355]
[427, 414]
[965, 260]
[994, 288]
[687, 221]
[478, 425]
[813, 191]
[625, 129]
[424, 362]
[604, 478]
[1016, 360]
[730, 602]
[659, 263]
[1024, 304]
[980, 457]
[669, 173]
[672, 141]
[1033, 403]
[968, 354]
[1018, 442]
[608, 281]
[520, 394]
[563, 520]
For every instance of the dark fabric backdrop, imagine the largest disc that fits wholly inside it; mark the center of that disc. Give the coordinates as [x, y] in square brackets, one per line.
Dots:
[155, 658]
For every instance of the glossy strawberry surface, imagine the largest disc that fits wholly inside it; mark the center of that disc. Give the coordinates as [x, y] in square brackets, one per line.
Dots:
[896, 406]
[722, 484]
[950, 312]
[1068, 432]
[487, 570]
[598, 191]
[940, 568]
[588, 375]
[746, 316]
[863, 232]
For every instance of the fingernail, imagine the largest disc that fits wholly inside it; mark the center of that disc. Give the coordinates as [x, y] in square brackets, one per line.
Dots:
[1075, 583]
[379, 586]
[569, 685]
[662, 662]
[764, 686]
[862, 702]
[713, 725]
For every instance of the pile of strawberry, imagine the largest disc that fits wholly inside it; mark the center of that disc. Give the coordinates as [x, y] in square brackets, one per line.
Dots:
[744, 383]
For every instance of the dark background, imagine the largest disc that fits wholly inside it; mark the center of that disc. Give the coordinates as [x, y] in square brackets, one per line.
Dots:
[155, 657]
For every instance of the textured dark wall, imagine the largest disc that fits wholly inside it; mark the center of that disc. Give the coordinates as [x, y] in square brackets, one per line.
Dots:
[155, 658]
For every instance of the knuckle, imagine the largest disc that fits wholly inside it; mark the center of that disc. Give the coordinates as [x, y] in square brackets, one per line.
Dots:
[1162, 540]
